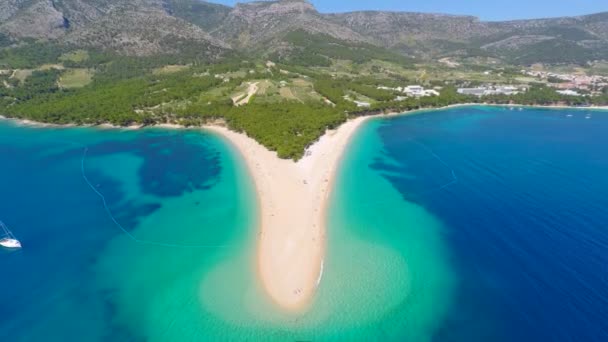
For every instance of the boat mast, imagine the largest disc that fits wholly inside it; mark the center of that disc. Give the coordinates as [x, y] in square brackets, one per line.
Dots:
[7, 232]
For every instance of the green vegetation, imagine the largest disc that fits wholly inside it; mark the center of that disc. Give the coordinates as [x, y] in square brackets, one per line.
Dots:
[204, 14]
[21, 74]
[545, 51]
[297, 100]
[552, 79]
[30, 56]
[333, 90]
[76, 56]
[75, 78]
[320, 49]
[168, 69]
[288, 128]
[5, 40]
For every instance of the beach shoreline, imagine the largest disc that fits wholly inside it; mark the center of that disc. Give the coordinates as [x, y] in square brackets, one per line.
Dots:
[293, 199]
[32, 123]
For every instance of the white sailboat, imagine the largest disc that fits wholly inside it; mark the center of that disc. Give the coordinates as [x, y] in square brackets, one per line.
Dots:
[7, 239]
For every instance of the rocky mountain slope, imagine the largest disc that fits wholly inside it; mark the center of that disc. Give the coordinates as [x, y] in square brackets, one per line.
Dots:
[149, 27]
[129, 27]
[250, 24]
[435, 35]
[37, 19]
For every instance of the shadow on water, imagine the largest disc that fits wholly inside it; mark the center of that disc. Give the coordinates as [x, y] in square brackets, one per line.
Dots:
[173, 164]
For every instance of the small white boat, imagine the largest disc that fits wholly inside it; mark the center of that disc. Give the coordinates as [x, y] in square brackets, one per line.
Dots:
[7, 239]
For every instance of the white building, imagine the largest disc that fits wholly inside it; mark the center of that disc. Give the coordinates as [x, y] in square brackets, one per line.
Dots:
[506, 90]
[414, 90]
[419, 91]
[568, 92]
[472, 91]
[361, 104]
[491, 90]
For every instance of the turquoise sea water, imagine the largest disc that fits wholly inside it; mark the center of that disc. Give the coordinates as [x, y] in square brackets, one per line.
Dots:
[150, 235]
[183, 196]
[184, 266]
[474, 223]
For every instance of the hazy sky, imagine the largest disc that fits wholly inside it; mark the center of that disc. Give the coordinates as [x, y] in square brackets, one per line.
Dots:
[485, 9]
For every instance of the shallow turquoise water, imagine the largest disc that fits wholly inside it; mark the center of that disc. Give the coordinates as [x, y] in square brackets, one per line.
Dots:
[184, 196]
[184, 267]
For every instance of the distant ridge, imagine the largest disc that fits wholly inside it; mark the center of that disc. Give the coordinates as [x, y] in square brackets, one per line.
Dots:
[150, 27]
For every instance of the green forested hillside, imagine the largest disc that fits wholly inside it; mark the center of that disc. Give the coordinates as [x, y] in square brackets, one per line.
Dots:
[319, 49]
[293, 106]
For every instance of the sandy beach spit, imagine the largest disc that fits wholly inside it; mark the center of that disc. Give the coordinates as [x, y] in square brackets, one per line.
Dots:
[293, 197]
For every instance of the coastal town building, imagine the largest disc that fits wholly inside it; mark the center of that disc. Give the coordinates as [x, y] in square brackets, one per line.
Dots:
[566, 81]
[419, 91]
[362, 104]
[568, 92]
[412, 91]
[491, 90]
[472, 91]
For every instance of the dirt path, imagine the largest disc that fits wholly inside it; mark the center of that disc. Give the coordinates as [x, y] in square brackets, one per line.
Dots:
[252, 90]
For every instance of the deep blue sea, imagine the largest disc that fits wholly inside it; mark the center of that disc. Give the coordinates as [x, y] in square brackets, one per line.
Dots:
[522, 197]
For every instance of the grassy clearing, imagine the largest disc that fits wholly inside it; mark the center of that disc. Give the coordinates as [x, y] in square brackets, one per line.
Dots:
[22, 74]
[354, 96]
[46, 67]
[75, 78]
[525, 79]
[269, 92]
[75, 56]
[287, 94]
[215, 95]
[266, 87]
[234, 74]
[299, 89]
[239, 92]
[238, 98]
[169, 69]
[304, 90]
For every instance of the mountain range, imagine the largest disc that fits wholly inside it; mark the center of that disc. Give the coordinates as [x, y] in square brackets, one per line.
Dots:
[288, 28]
